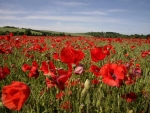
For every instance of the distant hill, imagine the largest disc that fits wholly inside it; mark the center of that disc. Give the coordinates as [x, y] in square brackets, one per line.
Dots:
[20, 31]
[6, 29]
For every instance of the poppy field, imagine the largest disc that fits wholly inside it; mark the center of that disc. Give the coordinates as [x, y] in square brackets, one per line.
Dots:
[63, 74]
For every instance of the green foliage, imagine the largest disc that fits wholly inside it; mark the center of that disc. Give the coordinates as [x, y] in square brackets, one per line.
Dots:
[116, 35]
[28, 32]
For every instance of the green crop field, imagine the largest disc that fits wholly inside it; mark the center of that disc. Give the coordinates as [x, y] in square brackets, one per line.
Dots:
[17, 29]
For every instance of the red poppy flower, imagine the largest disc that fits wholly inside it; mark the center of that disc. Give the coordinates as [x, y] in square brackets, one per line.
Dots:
[95, 70]
[26, 67]
[15, 95]
[50, 83]
[37, 47]
[11, 34]
[97, 54]
[1, 37]
[129, 97]
[107, 48]
[61, 79]
[95, 81]
[48, 68]
[130, 80]
[60, 95]
[57, 77]
[7, 37]
[75, 82]
[56, 56]
[66, 106]
[33, 70]
[113, 74]
[71, 56]
[133, 47]
[24, 36]
[4, 72]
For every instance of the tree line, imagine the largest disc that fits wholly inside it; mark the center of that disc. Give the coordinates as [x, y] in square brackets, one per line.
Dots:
[116, 35]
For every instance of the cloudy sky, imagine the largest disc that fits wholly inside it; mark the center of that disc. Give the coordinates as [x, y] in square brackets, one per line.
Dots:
[122, 16]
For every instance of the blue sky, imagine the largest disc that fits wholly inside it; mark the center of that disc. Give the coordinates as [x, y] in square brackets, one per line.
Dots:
[122, 16]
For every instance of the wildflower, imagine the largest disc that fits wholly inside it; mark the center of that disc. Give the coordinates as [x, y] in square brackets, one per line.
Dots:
[113, 74]
[66, 106]
[71, 56]
[56, 56]
[4, 71]
[60, 95]
[95, 81]
[79, 69]
[48, 68]
[95, 70]
[57, 77]
[97, 54]
[137, 72]
[33, 70]
[15, 95]
[131, 96]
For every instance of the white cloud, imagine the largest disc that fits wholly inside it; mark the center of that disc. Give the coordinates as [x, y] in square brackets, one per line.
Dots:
[91, 13]
[11, 12]
[71, 3]
[116, 10]
[62, 18]
[83, 19]
[9, 18]
[88, 19]
[58, 22]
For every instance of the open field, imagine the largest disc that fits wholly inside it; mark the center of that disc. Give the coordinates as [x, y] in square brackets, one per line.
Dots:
[51, 74]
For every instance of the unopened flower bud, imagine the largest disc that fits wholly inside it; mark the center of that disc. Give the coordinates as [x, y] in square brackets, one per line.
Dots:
[98, 103]
[84, 91]
[130, 111]
[87, 84]
[79, 69]
[137, 72]
[1, 105]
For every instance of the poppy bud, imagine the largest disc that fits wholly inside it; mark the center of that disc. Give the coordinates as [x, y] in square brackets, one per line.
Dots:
[86, 88]
[1, 105]
[98, 103]
[79, 69]
[127, 65]
[81, 108]
[87, 84]
[84, 91]
[137, 72]
[130, 111]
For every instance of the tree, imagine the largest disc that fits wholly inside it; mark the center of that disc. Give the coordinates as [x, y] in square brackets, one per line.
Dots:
[28, 32]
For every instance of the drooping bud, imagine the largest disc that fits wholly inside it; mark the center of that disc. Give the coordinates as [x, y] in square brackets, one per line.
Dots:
[79, 69]
[137, 72]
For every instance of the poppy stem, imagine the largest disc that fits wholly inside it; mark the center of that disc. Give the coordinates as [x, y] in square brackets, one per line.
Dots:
[118, 103]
